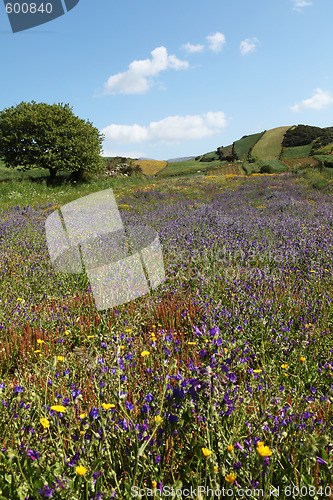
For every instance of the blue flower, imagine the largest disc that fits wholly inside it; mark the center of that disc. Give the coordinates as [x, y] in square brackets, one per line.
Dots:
[18, 388]
[129, 406]
[214, 331]
[33, 454]
[149, 398]
[76, 393]
[47, 492]
[144, 409]
[173, 418]
[2, 385]
[94, 413]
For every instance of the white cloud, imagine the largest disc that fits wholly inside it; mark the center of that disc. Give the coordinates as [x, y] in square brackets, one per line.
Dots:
[170, 130]
[319, 100]
[299, 4]
[216, 41]
[138, 78]
[248, 45]
[191, 49]
[124, 154]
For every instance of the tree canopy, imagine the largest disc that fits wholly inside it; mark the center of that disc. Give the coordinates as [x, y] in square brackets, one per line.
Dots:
[40, 135]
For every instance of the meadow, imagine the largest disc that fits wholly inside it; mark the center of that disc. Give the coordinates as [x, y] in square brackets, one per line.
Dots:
[217, 382]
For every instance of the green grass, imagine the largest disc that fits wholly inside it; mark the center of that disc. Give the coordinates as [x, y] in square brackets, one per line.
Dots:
[297, 151]
[269, 146]
[243, 146]
[186, 167]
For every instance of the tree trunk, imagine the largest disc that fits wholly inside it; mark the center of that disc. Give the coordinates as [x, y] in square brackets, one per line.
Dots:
[53, 173]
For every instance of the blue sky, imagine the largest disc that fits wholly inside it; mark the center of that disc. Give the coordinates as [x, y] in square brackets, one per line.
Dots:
[165, 79]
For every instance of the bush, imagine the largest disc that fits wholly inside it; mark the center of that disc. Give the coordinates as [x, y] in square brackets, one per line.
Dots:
[301, 135]
[266, 169]
[328, 163]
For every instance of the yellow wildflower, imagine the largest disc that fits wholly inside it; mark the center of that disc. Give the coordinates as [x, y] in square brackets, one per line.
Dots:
[284, 366]
[40, 341]
[257, 371]
[58, 408]
[60, 358]
[230, 448]
[106, 406]
[83, 415]
[154, 484]
[191, 343]
[158, 419]
[38, 350]
[302, 358]
[206, 452]
[216, 468]
[263, 450]
[129, 330]
[145, 353]
[45, 423]
[67, 333]
[81, 470]
[230, 478]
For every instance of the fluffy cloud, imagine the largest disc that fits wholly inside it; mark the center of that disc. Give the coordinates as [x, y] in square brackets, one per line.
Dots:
[319, 100]
[192, 49]
[248, 45]
[170, 130]
[216, 41]
[138, 78]
[299, 4]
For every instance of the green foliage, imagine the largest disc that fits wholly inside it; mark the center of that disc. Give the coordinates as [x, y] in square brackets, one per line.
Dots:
[301, 135]
[225, 153]
[266, 169]
[328, 162]
[40, 135]
[244, 145]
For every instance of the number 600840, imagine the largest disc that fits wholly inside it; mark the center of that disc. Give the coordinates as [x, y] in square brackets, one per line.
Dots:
[28, 8]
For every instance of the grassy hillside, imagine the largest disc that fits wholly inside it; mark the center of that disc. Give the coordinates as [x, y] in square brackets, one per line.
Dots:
[187, 167]
[297, 151]
[269, 146]
[150, 167]
[243, 146]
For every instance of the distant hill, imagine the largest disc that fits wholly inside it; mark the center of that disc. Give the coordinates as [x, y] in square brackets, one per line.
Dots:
[177, 160]
[270, 151]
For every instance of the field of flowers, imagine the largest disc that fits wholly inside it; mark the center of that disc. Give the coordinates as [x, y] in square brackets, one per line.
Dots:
[221, 380]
